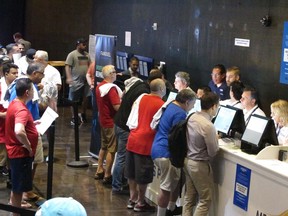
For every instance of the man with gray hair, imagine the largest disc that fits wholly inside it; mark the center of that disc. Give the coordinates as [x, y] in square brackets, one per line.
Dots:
[170, 175]
[108, 97]
[51, 83]
[182, 80]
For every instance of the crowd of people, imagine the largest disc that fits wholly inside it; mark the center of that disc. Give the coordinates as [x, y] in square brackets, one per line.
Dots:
[29, 84]
[140, 146]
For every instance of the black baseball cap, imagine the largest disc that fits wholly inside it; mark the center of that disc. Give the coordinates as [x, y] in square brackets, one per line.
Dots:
[81, 40]
[30, 53]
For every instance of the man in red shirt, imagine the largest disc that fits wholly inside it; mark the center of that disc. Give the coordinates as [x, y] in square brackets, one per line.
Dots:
[108, 102]
[139, 165]
[21, 140]
[10, 73]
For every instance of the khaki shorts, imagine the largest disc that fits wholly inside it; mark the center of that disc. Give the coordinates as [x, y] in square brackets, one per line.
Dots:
[169, 176]
[108, 140]
[3, 155]
[39, 156]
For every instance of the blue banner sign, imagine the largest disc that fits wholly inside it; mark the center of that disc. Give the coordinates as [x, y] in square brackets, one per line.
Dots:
[284, 57]
[242, 186]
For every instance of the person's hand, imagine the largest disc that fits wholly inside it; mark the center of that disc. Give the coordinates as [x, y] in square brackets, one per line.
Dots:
[37, 122]
[69, 81]
[29, 150]
[40, 86]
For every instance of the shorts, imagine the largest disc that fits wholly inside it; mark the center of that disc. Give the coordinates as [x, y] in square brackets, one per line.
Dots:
[21, 174]
[169, 176]
[77, 95]
[108, 140]
[139, 167]
[3, 155]
[39, 156]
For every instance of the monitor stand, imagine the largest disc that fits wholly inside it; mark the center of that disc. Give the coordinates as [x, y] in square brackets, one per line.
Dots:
[250, 151]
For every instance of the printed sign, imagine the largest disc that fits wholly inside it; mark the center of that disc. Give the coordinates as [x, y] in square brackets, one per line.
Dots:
[242, 42]
[242, 186]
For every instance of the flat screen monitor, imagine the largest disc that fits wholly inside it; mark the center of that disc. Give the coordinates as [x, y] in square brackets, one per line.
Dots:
[229, 120]
[259, 133]
[145, 65]
[122, 60]
[172, 96]
[224, 119]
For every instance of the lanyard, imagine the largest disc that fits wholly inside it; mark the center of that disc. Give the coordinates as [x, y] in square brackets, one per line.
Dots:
[247, 120]
[236, 103]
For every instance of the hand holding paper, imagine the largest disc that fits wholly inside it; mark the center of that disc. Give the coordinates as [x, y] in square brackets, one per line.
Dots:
[46, 120]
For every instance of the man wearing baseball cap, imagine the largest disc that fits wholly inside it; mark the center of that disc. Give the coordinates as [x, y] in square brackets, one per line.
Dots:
[76, 66]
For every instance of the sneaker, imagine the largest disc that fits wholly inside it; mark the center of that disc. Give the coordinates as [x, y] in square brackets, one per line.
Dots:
[144, 208]
[107, 180]
[176, 211]
[73, 121]
[5, 171]
[131, 204]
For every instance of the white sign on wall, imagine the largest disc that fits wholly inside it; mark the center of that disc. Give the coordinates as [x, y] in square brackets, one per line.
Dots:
[242, 42]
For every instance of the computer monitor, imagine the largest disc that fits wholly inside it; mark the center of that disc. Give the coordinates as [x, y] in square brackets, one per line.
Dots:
[122, 60]
[145, 65]
[172, 96]
[229, 120]
[259, 133]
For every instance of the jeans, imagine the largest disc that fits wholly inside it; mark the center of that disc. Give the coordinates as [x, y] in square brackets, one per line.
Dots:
[122, 137]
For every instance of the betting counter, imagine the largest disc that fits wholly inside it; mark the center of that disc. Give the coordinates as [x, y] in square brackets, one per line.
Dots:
[245, 184]
[248, 184]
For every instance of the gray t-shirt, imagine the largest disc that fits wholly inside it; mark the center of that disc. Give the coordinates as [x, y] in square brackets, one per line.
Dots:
[79, 64]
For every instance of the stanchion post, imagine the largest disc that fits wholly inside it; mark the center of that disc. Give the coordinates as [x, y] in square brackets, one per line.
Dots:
[51, 140]
[77, 162]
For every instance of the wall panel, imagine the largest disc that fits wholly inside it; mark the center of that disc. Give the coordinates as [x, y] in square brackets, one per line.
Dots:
[194, 35]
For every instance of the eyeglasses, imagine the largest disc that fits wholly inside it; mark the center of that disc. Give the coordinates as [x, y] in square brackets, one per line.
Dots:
[113, 72]
[215, 75]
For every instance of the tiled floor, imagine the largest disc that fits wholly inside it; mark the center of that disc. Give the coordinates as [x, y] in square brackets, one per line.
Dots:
[74, 182]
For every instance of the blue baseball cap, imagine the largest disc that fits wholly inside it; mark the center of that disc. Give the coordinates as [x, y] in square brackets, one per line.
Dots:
[61, 206]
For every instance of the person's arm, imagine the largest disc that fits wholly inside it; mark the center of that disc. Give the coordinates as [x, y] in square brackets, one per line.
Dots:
[68, 74]
[2, 114]
[21, 135]
[116, 107]
[90, 75]
[211, 141]
[89, 80]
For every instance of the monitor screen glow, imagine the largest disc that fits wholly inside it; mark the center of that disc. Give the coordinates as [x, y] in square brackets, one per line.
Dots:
[254, 130]
[224, 119]
[172, 96]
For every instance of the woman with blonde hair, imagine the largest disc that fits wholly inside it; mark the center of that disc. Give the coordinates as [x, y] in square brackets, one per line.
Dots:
[279, 113]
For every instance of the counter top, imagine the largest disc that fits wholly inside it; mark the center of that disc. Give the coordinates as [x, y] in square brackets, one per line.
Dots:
[266, 161]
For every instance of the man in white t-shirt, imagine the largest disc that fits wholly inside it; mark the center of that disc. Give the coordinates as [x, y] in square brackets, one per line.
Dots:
[51, 83]
[249, 101]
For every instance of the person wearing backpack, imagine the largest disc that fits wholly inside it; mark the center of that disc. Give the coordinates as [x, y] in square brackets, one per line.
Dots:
[202, 143]
[170, 175]
[138, 162]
